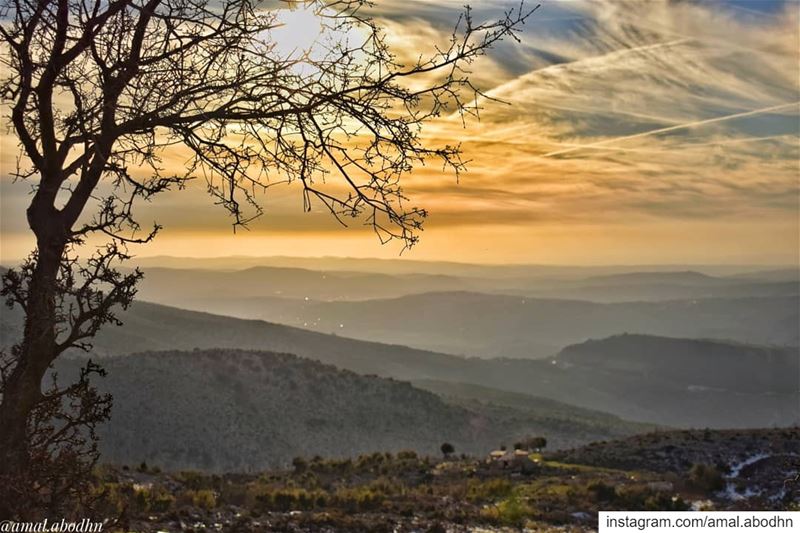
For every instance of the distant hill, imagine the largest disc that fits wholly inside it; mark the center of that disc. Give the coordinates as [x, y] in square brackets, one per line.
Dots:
[228, 410]
[492, 325]
[702, 364]
[272, 292]
[199, 289]
[151, 327]
[231, 410]
[410, 266]
[665, 286]
[779, 274]
[642, 396]
[686, 277]
[267, 288]
[654, 292]
[504, 406]
[688, 381]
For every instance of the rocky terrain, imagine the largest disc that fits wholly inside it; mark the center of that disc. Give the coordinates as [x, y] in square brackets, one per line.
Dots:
[406, 492]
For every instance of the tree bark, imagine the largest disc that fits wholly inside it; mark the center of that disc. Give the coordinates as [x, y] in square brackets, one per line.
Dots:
[37, 351]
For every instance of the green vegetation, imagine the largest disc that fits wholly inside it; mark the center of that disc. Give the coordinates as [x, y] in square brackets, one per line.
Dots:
[366, 492]
[375, 486]
[706, 478]
[230, 410]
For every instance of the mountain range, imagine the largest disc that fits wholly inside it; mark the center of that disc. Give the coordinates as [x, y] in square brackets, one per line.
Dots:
[705, 388]
[452, 268]
[483, 317]
[200, 288]
[492, 325]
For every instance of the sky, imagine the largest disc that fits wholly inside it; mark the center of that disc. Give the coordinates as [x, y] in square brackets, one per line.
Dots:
[630, 132]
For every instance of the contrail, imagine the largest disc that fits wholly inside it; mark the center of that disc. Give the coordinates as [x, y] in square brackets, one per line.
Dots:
[602, 58]
[680, 145]
[673, 128]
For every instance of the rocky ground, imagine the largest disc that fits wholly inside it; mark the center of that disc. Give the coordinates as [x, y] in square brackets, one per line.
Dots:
[560, 491]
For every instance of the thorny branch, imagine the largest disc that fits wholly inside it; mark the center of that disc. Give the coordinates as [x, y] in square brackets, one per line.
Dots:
[100, 91]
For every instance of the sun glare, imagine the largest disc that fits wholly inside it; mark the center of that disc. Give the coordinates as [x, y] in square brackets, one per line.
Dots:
[298, 31]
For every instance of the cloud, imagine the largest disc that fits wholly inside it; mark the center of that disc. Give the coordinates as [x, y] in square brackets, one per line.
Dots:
[648, 110]
[664, 114]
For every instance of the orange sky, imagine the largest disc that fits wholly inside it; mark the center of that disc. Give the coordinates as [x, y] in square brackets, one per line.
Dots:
[635, 132]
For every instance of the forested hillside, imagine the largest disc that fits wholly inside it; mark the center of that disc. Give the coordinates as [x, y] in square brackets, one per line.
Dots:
[231, 410]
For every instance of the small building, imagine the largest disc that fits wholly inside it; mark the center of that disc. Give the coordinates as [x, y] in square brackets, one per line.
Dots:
[515, 461]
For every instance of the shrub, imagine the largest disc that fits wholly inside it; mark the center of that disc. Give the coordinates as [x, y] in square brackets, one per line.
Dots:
[155, 499]
[661, 501]
[204, 499]
[161, 500]
[533, 443]
[300, 465]
[490, 490]
[706, 478]
[632, 498]
[196, 480]
[358, 499]
[233, 494]
[601, 492]
[283, 500]
[513, 511]
[447, 449]
[289, 499]
[111, 498]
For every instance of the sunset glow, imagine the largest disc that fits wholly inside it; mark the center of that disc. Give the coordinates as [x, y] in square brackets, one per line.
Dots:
[627, 132]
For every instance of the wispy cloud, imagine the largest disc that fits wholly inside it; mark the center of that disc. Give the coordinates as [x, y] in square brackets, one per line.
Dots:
[676, 127]
[674, 116]
[641, 110]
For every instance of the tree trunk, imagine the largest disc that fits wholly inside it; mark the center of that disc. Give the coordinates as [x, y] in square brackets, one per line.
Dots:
[23, 388]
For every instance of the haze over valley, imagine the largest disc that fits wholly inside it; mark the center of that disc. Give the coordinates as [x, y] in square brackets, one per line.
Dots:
[517, 311]
[488, 342]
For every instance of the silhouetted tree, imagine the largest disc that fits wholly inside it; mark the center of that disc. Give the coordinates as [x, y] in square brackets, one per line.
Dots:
[533, 443]
[99, 90]
[62, 448]
[447, 449]
[300, 465]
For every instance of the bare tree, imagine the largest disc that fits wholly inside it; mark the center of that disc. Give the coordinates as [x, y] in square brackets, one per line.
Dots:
[99, 90]
[62, 450]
